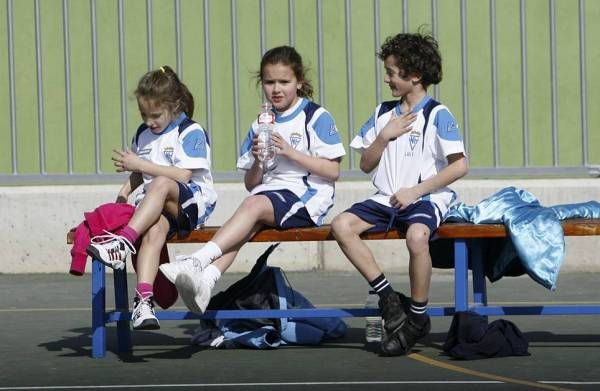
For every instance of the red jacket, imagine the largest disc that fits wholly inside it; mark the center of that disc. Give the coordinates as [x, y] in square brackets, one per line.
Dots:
[112, 217]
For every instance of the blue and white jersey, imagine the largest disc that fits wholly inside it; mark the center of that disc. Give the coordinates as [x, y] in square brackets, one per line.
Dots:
[182, 144]
[310, 129]
[415, 156]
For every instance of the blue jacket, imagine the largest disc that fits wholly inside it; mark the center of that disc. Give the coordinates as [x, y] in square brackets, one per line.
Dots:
[535, 234]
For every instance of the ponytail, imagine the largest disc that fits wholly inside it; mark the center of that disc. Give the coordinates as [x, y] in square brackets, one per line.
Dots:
[163, 86]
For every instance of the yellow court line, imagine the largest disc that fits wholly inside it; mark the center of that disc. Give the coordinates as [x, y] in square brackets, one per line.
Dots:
[456, 368]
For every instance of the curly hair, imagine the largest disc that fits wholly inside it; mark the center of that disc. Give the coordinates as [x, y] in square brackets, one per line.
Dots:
[415, 54]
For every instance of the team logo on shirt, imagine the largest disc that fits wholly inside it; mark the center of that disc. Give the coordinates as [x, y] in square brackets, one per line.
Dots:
[452, 127]
[332, 130]
[413, 138]
[295, 139]
[168, 154]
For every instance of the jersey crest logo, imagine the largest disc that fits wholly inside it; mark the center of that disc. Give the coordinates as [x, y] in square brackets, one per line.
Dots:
[295, 139]
[332, 130]
[168, 154]
[452, 127]
[413, 138]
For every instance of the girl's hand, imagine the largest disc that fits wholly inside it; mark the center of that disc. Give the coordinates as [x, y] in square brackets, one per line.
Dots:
[397, 126]
[403, 198]
[256, 149]
[283, 147]
[127, 161]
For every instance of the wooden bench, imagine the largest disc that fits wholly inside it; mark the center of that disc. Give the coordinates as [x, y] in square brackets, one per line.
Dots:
[459, 233]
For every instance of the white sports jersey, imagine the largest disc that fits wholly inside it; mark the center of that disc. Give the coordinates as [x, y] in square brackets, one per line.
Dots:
[310, 129]
[182, 144]
[415, 156]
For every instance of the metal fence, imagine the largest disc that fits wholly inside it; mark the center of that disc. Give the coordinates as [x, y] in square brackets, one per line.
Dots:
[516, 76]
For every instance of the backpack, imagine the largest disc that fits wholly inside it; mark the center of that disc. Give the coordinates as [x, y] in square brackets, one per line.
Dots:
[265, 287]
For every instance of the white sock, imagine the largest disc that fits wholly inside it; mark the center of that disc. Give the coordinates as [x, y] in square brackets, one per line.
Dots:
[208, 253]
[211, 275]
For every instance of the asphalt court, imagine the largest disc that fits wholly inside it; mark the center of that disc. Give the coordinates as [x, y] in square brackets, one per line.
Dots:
[45, 343]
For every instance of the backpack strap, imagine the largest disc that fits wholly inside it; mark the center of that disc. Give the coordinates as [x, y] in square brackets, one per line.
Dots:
[281, 293]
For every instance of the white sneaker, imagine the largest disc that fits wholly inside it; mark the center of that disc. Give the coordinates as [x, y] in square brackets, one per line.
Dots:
[182, 263]
[143, 316]
[110, 249]
[193, 291]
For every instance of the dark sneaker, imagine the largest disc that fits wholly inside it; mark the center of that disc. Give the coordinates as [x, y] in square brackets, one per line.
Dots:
[143, 316]
[401, 341]
[394, 308]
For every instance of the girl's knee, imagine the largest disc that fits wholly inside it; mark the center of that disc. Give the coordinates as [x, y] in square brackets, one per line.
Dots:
[160, 183]
[256, 204]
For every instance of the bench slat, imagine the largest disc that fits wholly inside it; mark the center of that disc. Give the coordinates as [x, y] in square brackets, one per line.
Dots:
[571, 227]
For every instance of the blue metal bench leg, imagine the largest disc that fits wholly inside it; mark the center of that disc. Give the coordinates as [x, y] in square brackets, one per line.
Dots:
[98, 310]
[122, 305]
[461, 276]
[479, 287]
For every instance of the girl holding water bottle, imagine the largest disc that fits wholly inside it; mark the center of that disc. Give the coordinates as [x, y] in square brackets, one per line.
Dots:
[293, 188]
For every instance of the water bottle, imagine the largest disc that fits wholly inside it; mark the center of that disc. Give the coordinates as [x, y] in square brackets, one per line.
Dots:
[373, 326]
[266, 123]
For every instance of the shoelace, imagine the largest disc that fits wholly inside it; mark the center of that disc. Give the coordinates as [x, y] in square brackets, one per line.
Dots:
[109, 237]
[195, 261]
[144, 305]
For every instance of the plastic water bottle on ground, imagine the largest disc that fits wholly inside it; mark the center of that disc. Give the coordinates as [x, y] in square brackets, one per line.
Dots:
[266, 123]
[373, 326]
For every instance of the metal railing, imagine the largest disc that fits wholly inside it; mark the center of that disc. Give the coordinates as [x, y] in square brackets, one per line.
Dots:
[18, 169]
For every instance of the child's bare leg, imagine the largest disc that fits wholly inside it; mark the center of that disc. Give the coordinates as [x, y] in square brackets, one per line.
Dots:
[417, 241]
[346, 228]
[150, 248]
[162, 194]
[417, 324]
[195, 284]
[254, 212]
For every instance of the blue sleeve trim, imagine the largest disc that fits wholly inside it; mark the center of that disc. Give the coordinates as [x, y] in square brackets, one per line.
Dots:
[247, 144]
[194, 144]
[447, 128]
[366, 126]
[326, 130]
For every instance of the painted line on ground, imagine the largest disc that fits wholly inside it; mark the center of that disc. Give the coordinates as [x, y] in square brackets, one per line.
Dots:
[484, 375]
[274, 384]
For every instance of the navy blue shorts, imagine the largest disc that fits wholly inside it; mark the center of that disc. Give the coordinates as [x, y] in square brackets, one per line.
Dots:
[289, 210]
[187, 218]
[385, 217]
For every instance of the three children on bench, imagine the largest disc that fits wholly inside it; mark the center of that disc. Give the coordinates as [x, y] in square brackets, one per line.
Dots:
[411, 147]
